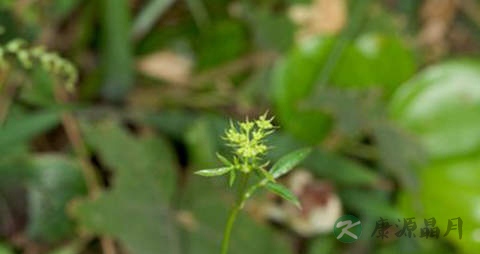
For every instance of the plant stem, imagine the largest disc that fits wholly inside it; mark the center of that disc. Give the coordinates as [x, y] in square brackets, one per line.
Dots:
[92, 180]
[233, 214]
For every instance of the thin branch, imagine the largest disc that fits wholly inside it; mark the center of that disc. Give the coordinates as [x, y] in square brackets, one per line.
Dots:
[72, 129]
[5, 96]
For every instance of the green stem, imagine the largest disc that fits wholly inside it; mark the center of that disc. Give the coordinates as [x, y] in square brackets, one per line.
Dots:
[233, 214]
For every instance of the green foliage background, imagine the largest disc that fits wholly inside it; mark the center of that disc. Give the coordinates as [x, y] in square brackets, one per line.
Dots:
[394, 128]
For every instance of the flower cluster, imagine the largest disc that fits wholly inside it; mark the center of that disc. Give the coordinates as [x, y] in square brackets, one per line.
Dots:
[27, 57]
[248, 140]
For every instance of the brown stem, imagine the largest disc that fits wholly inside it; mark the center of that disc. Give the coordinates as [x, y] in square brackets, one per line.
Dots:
[74, 135]
[5, 96]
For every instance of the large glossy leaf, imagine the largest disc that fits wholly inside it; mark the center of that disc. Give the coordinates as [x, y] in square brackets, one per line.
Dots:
[57, 181]
[441, 106]
[449, 189]
[136, 210]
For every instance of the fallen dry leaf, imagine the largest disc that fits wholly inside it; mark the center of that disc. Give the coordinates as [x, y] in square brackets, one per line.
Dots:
[167, 66]
[321, 17]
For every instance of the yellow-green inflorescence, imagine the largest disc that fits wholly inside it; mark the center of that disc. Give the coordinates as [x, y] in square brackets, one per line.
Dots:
[248, 142]
[27, 57]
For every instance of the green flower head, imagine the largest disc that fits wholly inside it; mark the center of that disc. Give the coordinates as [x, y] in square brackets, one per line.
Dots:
[248, 141]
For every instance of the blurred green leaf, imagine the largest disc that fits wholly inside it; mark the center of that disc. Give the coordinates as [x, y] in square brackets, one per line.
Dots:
[4, 249]
[22, 129]
[62, 8]
[283, 192]
[136, 210]
[323, 245]
[222, 42]
[203, 140]
[270, 30]
[369, 61]
[117, 50]
[450, 188]
[57, 181]
[41, 91]
[440, 105]
[295, 77]
[173, 123]
[339, 169]
[370, 203]
[289, 161]
[148, 16]
[398, 152]
[65, 250]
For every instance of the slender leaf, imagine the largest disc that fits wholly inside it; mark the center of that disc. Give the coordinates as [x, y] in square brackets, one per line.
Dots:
[25, 128]
[232, 178]
[223, 159]
[283, 192]
[214, 171]
[148, 16]
[118, 57]
[289, 161]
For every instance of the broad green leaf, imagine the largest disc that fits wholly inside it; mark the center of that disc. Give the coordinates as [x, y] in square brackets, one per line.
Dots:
[448, 189]
[135, 211]
[289, 161]
[57, 181]
[22, 129]
[214, 172]
[293, 81]
[283, 192]
[441, 106]
[117, 50]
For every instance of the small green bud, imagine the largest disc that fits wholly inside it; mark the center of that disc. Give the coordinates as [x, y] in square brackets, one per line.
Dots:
[247, 126]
